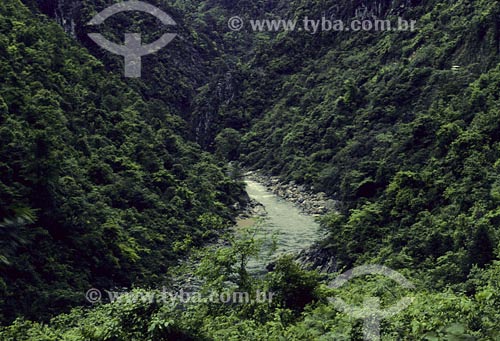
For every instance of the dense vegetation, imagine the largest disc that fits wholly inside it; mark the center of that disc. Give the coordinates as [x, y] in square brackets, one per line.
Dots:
[98, 184]
[101, 186]
[402, 128]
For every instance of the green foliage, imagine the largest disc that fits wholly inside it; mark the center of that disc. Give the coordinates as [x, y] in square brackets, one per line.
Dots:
[430, 316]
[99, 181]
[228, 143]
[387, 124]
[101, 186]
[294, 287]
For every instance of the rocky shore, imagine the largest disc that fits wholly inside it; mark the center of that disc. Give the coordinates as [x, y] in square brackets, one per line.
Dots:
[310, 203]
[313, 257]
[317, 258]
[253, 208]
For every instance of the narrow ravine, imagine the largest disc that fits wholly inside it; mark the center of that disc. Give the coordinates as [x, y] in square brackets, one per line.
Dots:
[291, 229]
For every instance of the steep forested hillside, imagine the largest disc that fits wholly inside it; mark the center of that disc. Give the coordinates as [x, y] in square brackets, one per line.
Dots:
[194, 75]
[98, 181]
[106, 181]
[401, 127]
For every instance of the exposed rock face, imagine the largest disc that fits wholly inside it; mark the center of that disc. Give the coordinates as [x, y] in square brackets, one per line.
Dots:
[65, 12]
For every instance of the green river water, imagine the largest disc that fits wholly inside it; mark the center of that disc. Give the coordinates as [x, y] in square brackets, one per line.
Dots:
[291, 229]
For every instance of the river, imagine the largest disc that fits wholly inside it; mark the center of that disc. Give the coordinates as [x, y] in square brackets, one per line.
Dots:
[291, 229]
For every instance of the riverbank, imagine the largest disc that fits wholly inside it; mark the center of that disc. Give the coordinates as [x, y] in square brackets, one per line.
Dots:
[282, 227]
[311, 256]
[308, 202]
